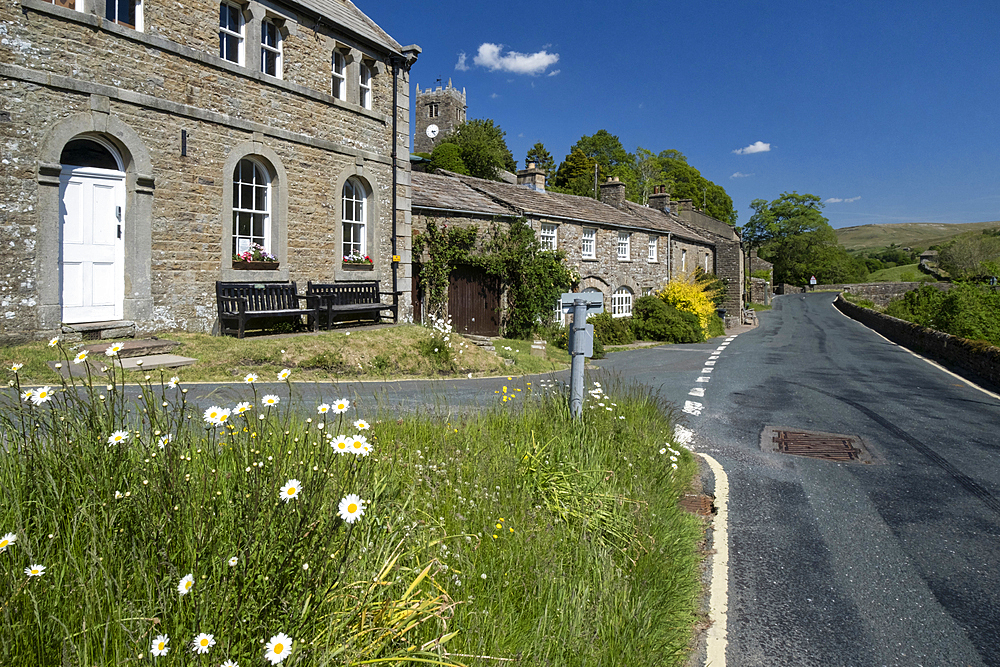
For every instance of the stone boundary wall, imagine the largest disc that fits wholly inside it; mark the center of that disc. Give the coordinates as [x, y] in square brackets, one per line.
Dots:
[879, 293]
[976, 357]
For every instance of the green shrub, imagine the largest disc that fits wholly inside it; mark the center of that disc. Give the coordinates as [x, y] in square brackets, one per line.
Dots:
[716, 327]
[967, 310]
[652, 319]
[612, 330]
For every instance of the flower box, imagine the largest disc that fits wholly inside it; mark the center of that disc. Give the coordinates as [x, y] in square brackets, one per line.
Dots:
[256, 266]
[357, 266]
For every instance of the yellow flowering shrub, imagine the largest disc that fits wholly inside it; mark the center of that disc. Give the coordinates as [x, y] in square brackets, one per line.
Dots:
[688, 294]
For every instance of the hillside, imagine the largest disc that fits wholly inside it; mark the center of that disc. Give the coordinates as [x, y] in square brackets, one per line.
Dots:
[906, 234]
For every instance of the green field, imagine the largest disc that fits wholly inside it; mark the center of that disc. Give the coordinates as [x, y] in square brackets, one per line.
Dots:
[907, 234]
[907, 273]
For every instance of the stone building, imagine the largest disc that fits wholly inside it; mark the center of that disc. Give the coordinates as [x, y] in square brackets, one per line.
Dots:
[143, 143]
[438, 112]
[621, 249]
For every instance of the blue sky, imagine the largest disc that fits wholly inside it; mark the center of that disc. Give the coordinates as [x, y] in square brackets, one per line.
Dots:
[888, 111]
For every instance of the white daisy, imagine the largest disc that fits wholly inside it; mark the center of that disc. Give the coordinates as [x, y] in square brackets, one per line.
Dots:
[341, 444]
[270, 400]
[117, 436]
[230, 663]
[113, 350]
[202, 642]
[80, 357]
[27, 395]
[323, 408]
[365, 450]
[242, 407]
[357, 443]
[278, 648]
[159, 645]
[187, 581]
[41, 395]
[341, 405]
[291, 489]
[351, 507]
[6, 541]
[233, 561]
[54, 341]
[283, 375]
[362, 425]
[173, 382]
[213, 415]
[15, 367]
[165, 440]
[119, 495]
[34, 570]
[250, 378]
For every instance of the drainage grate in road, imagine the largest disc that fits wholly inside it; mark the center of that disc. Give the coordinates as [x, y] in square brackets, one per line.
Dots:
[815, 444]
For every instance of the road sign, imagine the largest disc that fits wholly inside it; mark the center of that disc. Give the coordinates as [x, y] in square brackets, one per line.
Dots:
[595, 302]
[586, 342]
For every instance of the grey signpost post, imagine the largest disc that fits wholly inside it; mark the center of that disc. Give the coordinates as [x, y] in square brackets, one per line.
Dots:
[581, 340]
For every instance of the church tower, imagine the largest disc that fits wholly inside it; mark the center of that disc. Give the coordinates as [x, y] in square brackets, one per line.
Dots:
[439, 111]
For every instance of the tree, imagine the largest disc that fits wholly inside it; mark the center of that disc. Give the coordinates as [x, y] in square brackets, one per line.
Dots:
[482, 148]
[448, 157]
[686, 182]
[576, 175]
[542, 159]
[970, 255]
[791, 233]
[607, 150]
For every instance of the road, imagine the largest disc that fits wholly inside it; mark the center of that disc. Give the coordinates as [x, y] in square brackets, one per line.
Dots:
[892, 562]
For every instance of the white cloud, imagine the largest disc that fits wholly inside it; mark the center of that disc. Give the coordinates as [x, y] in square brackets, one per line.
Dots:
[489, 56]
[493, 96]
[740, 174]
[460, 65]
[755, 147]
[838, 200]
[554, 72]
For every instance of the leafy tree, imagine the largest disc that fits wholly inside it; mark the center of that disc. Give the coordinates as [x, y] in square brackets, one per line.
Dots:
[964, 257]
[449, 157]
[576, 175]
[686, 182]
[792, 234]
[542, 159]
[482, 148]
[649, 174]
[607, 150]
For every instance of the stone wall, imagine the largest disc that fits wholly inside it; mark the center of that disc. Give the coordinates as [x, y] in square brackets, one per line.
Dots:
[760, 291]
[879, 293]
[976, 357]
[63, 73]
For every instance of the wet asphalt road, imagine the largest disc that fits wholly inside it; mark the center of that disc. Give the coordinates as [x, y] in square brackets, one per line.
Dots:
[891, 563]
[896, 562]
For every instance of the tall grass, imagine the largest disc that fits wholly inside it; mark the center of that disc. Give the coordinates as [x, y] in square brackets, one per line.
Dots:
[512, 535]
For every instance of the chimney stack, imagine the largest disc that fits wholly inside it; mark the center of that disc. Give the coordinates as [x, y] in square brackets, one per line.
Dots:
[660, 199]
[532, 177]
[613, 192]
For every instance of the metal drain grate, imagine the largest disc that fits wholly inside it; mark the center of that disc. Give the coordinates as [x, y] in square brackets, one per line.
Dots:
[826, 446]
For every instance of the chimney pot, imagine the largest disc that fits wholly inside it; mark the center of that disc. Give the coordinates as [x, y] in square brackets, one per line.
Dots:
[531, 165]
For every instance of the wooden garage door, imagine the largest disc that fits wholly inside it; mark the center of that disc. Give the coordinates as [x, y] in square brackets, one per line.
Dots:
[474, 302]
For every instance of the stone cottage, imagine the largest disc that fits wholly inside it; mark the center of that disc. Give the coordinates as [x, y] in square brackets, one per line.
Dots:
[621, 249]
[144, 142]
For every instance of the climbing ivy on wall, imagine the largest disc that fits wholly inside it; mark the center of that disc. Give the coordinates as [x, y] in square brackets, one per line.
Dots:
[446, 247]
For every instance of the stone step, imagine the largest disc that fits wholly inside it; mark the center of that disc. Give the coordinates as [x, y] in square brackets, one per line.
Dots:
[135, 348]
[143, 363]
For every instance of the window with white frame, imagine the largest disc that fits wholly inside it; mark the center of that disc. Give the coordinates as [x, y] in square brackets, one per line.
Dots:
[251, 207]
[588, 244]
[270, 48]
[707, 258]
[621, 302]
[123, 12]
[548, 236]
[339, 66]
[355, 218]
[557, 313]
[231, 29]
[365, 86]
[624, 245]
[652, 249]
[684, 260]
[647, 291]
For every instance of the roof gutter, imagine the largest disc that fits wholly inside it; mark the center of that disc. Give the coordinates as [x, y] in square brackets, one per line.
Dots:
[417, 207]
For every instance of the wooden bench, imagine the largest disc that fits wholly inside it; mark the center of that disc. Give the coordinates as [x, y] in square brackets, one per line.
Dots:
[250, 301]
[361, 298]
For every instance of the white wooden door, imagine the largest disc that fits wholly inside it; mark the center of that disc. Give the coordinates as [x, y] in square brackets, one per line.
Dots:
[93, 250]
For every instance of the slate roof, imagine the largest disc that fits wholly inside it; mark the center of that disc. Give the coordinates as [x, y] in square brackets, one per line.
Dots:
[344, 13]
[432, 191]
[452, 191]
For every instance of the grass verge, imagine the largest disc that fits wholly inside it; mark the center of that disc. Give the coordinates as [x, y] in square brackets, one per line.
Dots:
[512, 535]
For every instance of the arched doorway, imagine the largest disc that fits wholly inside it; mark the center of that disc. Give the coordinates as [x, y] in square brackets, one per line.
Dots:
[92, 215]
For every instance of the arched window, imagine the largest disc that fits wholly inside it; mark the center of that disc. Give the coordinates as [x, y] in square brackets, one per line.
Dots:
[251, 207]
[621, 302]
[90, 152]
[355, 218]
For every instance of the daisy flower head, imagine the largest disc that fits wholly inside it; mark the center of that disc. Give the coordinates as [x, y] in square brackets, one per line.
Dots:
[233, 561]
[213, 415]
[366, 450]
[230, 663]
[27, 395]
[341, 405]
[358, 443]
[53, 341]
[341, 444]
[242, 407]
[159, 646]
[41, 395]
[351, 508]
[184, 587]
[165, 440]
[250, 378]
[113, 350]
[202, 642]
[323, 408]
[173, 382]
[270, 400]
[362, 425]
[80, 357]
[15, 367]
[285, 372]
[291, 489]
[117, 436]
[278, 648]
[34, 570]
[6, 541]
